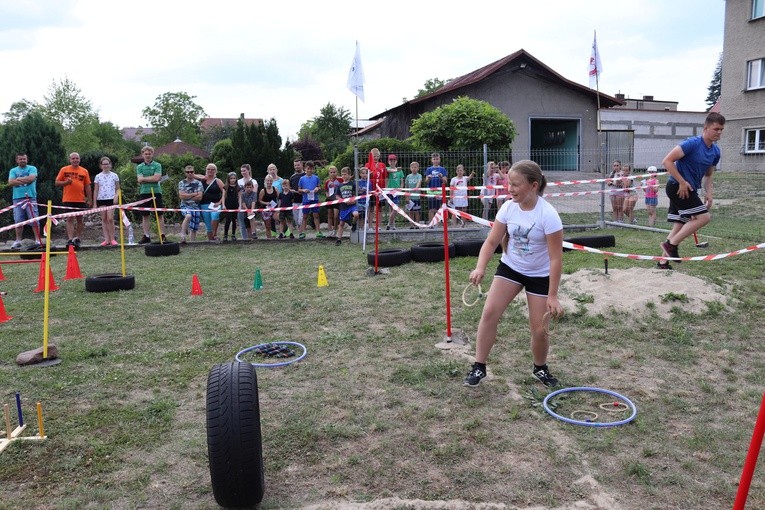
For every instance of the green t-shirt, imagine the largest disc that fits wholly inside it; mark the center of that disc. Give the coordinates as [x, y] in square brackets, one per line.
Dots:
[395, 177]
[145, 170]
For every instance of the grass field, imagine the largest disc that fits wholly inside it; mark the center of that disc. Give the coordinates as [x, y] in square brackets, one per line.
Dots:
[375, 411]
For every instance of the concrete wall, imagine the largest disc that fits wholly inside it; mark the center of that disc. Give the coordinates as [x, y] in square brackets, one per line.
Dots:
[656, 132]
[743, 109]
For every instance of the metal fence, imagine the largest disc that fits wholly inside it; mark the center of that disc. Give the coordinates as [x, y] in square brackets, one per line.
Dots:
[583, 199]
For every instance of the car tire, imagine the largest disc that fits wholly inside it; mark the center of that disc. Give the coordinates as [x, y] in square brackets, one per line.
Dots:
[431, 252]
[468, 248]
[165, 249]
[602, 241]
[390, 257]
[234, 442]
[109, 282]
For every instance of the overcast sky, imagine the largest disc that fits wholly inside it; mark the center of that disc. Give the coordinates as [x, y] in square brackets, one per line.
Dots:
[286, 60]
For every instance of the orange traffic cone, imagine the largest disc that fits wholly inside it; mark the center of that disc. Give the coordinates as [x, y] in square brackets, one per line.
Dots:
[72, 266]
[2, 276]
[4, 317]
[196, 288]
[41, 278]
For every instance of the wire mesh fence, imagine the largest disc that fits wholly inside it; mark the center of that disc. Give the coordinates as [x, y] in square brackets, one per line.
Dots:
[583, 198]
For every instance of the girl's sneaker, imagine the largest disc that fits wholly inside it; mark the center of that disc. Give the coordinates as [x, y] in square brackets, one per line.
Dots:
[114, 242]
[105, 243]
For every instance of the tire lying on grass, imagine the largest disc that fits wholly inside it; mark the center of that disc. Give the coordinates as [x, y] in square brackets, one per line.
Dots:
[109, 282]
[157, 249]
[390, 257]
[468, 248]
[432, 252]
[34, 254]
[234, 442]
[604, 241]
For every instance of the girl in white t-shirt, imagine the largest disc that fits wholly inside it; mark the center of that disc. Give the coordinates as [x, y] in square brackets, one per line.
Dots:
[460, 196]
[107, 184]
[531, 234]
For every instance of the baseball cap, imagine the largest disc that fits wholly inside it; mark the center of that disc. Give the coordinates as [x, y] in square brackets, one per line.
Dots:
[651, 169]
[392, 156]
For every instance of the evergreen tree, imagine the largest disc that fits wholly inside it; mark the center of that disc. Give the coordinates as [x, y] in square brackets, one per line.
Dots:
[41, 140]
[716, 84]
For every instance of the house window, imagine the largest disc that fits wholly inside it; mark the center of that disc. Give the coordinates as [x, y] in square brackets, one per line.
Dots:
[755, 74]
[755, 140]
[758, 8]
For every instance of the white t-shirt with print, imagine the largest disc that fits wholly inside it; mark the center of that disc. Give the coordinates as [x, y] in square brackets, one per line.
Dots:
[527, 245]
[107, 187]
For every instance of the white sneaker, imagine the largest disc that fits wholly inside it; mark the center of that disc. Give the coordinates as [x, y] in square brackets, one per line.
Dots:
[16, 244]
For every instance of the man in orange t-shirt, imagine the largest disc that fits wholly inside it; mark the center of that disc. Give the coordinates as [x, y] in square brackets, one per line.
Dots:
[75, 180]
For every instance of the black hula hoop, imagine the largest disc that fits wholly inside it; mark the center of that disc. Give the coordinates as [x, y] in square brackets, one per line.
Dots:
[273, 365]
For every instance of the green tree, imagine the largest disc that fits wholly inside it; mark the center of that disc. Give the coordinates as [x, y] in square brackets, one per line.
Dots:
[715, 86]
[331, 129]
[21, 109]
[430, 86]
[41, 140]
[174, 115]
[386, 146]
[260, 145]
[65, 105]
[463, 124]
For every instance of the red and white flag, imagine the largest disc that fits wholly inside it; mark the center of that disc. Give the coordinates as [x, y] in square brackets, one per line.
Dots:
[596, 67]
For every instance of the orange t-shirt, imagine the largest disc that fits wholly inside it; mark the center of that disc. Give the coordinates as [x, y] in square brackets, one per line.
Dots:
[74, 192]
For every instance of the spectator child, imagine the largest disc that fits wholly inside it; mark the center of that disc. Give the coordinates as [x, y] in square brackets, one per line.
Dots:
[309, 186]
[362, 187]
[285, 217]
[651, 195]
[230, 206]
[268, 199]
[107, 184]
[413, 183]
[244, 222]
[460, 196]
[330, 189]
[434, 176]
[349, 212]
[249, 201]
[395, 180]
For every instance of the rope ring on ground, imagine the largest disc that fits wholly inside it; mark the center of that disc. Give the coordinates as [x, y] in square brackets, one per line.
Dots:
[624, 399]
[478, 296]
[614, 407]
[272, 365]
[593, 415]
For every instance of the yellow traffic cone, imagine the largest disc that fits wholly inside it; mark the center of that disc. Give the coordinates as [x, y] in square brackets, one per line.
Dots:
[322, 278]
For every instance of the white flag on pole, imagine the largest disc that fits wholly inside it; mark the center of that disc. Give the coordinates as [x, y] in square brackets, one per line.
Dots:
[356, 75]
[596, 67]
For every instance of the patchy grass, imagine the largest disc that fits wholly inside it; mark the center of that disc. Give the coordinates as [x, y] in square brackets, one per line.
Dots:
[374, 411]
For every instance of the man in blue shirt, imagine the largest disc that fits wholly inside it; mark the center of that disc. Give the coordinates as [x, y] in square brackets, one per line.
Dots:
[434, 175]
[690, 166]
[23, 179]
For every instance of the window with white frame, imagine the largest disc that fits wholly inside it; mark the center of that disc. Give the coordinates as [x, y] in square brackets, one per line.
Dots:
[755, 74]
[758, 8]
[755, 140]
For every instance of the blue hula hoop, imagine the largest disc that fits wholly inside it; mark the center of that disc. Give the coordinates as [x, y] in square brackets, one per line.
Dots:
[588, 423]
[273, 365]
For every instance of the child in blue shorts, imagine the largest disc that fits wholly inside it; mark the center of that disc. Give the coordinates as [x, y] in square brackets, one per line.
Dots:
[349, 212]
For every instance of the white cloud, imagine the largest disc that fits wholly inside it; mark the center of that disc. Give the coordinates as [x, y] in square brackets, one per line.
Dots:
[287, 60]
